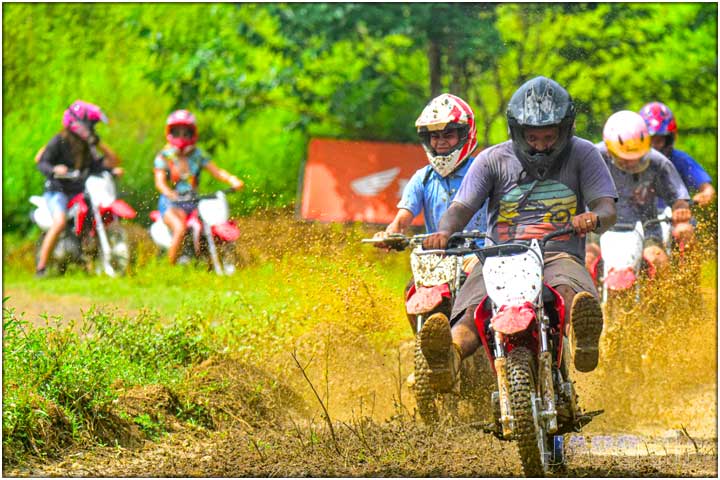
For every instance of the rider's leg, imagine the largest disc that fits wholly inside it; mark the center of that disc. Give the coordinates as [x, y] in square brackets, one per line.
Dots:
[444, 347]
[656, 256]
[57, 204]
[51, 237]
[592, 251]
[573, 282]
[684, 233]
[175, 219]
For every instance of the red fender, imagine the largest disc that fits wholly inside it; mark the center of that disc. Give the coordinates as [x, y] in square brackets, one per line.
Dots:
[594, 268]
[227, 231]
[560, 309]
[121, 209]
[82, 211]
[481, 317]
[425, 299]
[510, 320]
[623, 279]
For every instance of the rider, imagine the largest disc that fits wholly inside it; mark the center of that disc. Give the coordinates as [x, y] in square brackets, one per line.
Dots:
[181, 162]
[641, 175]
[446, 128]
[536, 183]
[662, 127]
[75, 147]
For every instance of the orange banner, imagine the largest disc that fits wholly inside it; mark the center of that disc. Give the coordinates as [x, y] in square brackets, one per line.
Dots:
[357, 181]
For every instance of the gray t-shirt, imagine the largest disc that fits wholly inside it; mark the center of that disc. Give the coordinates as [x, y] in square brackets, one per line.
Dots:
[638, 192]
[521, 207]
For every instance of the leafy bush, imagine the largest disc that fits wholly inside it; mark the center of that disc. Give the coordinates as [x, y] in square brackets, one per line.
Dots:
[63, 376]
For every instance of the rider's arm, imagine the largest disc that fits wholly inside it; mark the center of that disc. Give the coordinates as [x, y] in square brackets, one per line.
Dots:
[111, 158]
[401, 222]
[680, 212]
[224, 176]
[162, 186]
[453, 220]
[705, 194]
[605, 215]
[48, 158]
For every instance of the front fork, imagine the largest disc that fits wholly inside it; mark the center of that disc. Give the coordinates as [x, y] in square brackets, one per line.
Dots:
[549, 414]
[104, 243]
[207, 229]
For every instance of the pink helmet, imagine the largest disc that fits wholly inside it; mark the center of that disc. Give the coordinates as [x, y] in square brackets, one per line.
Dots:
[80, 118]
[628, 141]
[185, 119]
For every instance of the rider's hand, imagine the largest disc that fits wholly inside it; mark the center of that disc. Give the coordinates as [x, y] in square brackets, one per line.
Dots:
[704, 197]
[60, 169]
[236, 183]
[585, 223]
[381, 235]
[436, 241]
[681, 215]
[117, 171]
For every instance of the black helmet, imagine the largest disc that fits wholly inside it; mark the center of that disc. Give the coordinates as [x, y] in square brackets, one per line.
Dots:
[541, 102]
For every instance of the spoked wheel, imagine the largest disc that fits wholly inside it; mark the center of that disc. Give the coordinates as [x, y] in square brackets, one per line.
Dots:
[535, 445]
[119, 248]
[228, 257]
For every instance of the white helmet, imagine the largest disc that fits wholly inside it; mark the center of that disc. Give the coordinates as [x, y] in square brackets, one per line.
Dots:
[628, 141]
[444, 113]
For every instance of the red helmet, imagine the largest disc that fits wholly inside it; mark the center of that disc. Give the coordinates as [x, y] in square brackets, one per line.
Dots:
[181, 118]
[80, 118]
[447, 112]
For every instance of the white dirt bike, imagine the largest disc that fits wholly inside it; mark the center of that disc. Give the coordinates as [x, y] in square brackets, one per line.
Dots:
[521, 324]
[437, 279]
[211, 232]
[93, 236]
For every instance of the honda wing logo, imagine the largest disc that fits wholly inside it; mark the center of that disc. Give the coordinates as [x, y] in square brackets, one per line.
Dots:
[375, 183]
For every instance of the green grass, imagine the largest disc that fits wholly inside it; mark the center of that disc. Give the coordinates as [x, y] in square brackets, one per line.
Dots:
[162, 320]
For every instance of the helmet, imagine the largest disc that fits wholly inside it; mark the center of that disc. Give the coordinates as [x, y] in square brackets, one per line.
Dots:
[541, 102]
[181, 118]
[660, 121]
[447, 112]
[628, 141]
[80, 118]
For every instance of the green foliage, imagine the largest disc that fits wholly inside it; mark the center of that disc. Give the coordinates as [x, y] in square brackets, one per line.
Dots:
[264, 78]
[62, 373]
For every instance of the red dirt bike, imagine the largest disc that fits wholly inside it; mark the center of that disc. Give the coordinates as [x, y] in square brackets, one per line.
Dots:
[437, 280]
[621, 261]
[521, 322]
[211, 232]
[94, 236]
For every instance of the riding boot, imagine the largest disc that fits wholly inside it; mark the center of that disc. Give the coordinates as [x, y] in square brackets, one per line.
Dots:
[442, 355]
[587, 322]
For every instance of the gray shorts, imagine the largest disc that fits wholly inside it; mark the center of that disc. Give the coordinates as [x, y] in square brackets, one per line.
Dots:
[560, 269]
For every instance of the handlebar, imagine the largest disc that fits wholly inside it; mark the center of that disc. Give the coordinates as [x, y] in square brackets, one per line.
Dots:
[510, 248]
[70, 175]
[629, 227]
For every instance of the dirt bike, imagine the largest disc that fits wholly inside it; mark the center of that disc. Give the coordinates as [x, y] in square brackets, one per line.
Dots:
[211, 233]
[521, 322]
[436, 281]
[621, 259]
[93, 235]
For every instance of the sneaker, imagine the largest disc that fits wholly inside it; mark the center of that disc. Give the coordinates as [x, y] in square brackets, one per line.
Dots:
[587, 321]
[443, 357]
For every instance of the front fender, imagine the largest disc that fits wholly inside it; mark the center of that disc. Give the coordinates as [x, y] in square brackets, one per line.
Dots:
[425, 299]
[121, 209]
[510, 320]
[226, 231]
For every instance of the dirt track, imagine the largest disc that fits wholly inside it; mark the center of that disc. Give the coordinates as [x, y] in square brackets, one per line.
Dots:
[293, 440]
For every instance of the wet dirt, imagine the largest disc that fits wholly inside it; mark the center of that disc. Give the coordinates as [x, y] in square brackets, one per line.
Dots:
[657, 382]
